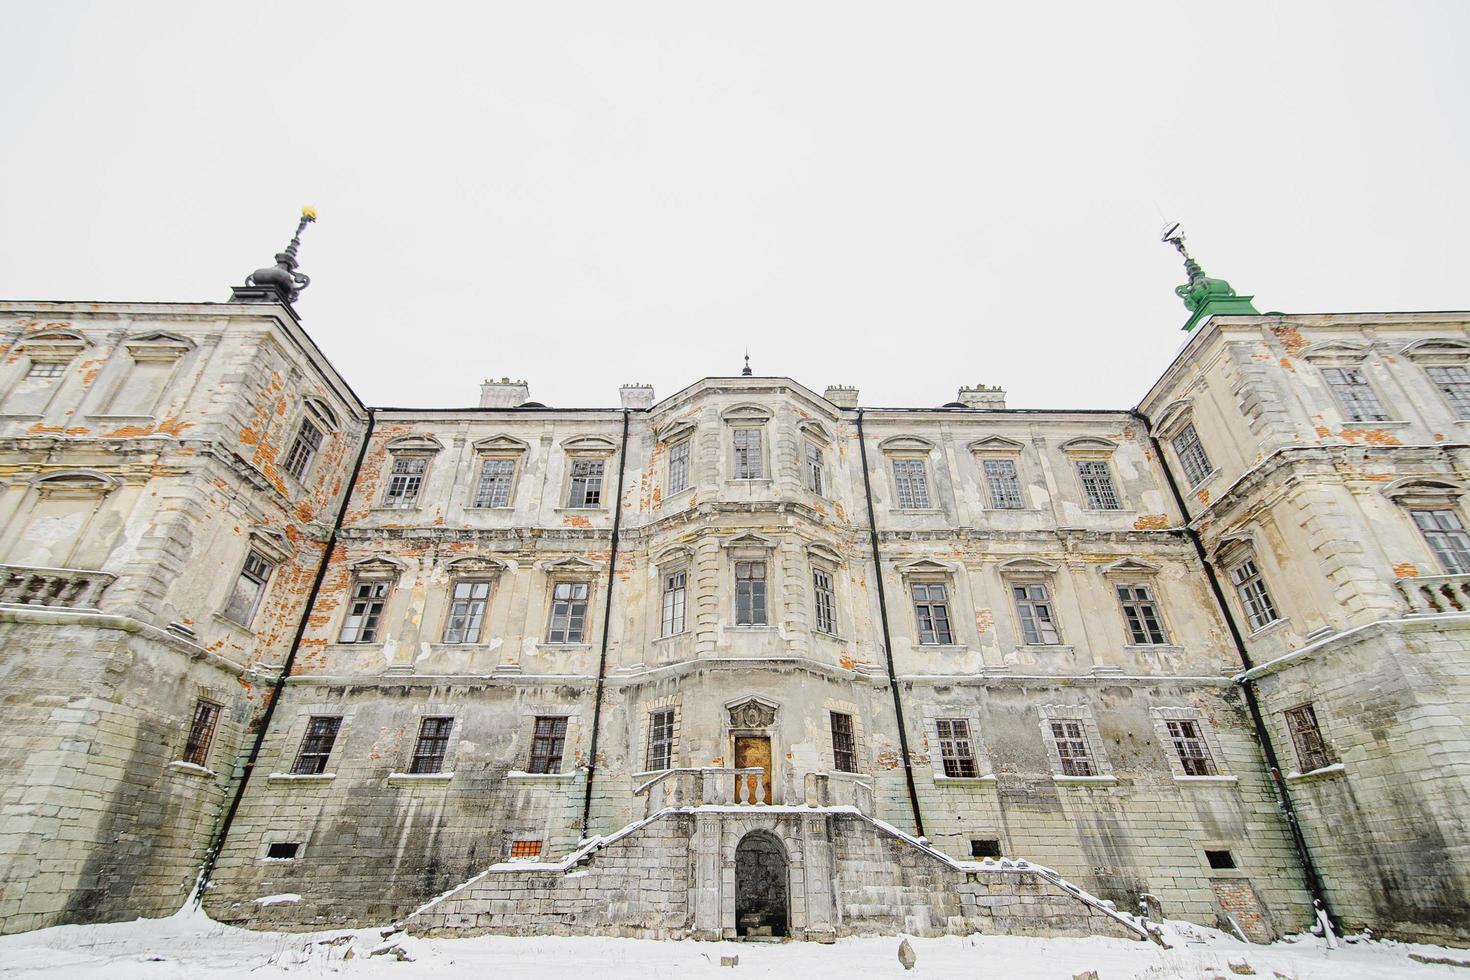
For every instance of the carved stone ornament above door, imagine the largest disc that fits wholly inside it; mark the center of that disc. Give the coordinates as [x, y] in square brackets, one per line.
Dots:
[752, 713]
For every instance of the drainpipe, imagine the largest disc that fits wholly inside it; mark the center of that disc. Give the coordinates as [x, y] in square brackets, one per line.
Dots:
[612, 568]
[1263, 735]
[903, 737]
[279, 689]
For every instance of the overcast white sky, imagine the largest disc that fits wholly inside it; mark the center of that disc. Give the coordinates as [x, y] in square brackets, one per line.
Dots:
[902, 196]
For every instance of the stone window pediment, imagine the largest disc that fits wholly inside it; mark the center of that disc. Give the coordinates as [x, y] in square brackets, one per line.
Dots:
[474, 567]
[815, 431]
[677, 555]
[1089, 447]
[750, 543]
[1336, 353]
[415, 445]
[676, 431]
[158, 345]
[500, 445]
[321, 413]
[1132, 567]
[1028, 567]
[579, 568]
[822, 552]
[997, 446]
[1172, 418]
[752, 712]
[906, 446]
[746, 415]
[1438, 350]
[377, 567]
[1233, 546]
[272, 545]
[1425, 490]
[75, 483]
[923, 567]
[589, 446]
[53, 346]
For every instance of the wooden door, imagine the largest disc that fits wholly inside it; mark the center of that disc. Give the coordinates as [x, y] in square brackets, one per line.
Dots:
[753, 752]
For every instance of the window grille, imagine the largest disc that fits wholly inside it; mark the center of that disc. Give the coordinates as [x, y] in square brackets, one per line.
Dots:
[747, 443]
[956, 750]
[1072, 748]
[467, 612]
[303, 450]
[586, 483]
[1311, 749]
[405, 481]
[547, 743]
[41, 370]
[1192, 455]
[912, 483]
[1034, 607]
[1141, 613]
[428, 754]
[1004, 484]
[525, 848]
[1446, 537]
[201, 731]
[1190, 746]
[1454, 383]
[674, 602]
[493, 490]
[931, 609]
[679, 467]
[1357, 398]
[824, 601]
[1097, 485]
[316, 747]
[568, 612]
[249, 588]
[844, 751]
[660, 739]
[750, 593]
[814, 468]
[364, 613]
[1250, 586]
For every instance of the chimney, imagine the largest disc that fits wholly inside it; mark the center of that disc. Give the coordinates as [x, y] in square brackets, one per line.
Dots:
[638, 397]
[842, 396]
[504, 393]
[982, 397]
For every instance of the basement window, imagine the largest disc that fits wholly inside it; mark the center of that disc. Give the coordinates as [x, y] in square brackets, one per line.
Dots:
[987, 848]
[525, 849]
[1222, 860]
[283, 850]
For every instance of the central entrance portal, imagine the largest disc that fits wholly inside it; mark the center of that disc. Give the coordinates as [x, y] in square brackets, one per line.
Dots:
[753, 752]
[760, 886]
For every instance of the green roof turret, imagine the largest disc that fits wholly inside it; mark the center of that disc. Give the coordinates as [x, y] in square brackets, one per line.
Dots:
[1203, 296]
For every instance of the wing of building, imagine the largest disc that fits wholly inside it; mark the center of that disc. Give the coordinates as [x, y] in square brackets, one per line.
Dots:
[748, 659]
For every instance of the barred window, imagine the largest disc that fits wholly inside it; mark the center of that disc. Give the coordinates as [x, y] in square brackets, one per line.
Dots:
[548, 741]
[750, 593]
[364, 613]
[1454, 383]
[1034, 607]
[1250, 586]
[747, 443]
[1097, 485]
[1071, 741]
[824, 601]
[844, 752]
[1190, 746]
[1446, 537]
[1192, 455]
[316, 747]
[303, 451]
[912, 483]
[525, 849]
[428, 753]
[931, 609]
[586, 488]
[201, 731]
[466, 611]
[679, 467]
[405, 481]
[249, 588]
[1311, 749]
[814, 468]
[1141, 613]
[674, 602]
[568, 612]
[493, 490]
[660, 739]
[956, 750]
[1357, 398]
[1005, 486]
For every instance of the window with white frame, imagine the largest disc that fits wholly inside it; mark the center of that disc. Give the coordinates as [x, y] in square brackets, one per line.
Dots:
[1192, 457]
[496, 478]
[304, 449]
[1187, 738]
[1453, 382]
[911, 483]
[844, 746]
[1069, 736]
[568, 612]
[814, 468]
[746, 443]
[1353, 392]
[660, 740]
[1141, 614]
[1446, 536]
[1097, 484]
[365, 611]
[679, 466]
[245, 597]
[674, 601]
[586, 484]
[956, 747]
[824, 601]
[750, 593]
[1035, 613]
[1250, 588]
[467, 602]
[931, 612]
[1003, 483]
[405, 480]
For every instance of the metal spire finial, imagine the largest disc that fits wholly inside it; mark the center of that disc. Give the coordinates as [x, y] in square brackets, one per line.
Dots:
[745, 371]
[283, 277]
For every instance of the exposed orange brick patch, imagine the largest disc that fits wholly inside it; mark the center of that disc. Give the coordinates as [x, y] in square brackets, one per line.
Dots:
[1370, 437]
[847, 662]
[1378, 477]
[1286, 363]
[1439, 437]
[1323, 432]
[1406, 569]
[984, 620]
[1204, 496]
[41, 429]
[1151, 522]
[1291, 339]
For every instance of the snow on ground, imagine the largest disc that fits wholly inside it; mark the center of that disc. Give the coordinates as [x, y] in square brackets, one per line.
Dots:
[190, 945]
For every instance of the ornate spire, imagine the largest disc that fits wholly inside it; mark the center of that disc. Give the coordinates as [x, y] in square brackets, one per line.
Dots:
[745, 371]
[1202, 295]
[279, 282]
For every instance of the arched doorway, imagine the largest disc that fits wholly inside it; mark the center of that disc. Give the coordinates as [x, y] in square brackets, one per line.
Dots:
[760, 886]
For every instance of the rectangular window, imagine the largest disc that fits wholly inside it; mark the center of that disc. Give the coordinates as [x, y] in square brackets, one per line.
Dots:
[1220, 859]
[1454, 383]
[1141, 613]
[493, 490]
[747, 443]
[525, 849]
[955, 748]
[985, 848]
[1357, 398]
[1033, 606]
[1097, 485]
[568, 612]
[303, 450]
[1192, 455]
[201, 731]
[1251, 588]
[750, 593]
[43, 370]
[1004, 484]
[586, 483]
[405, 481]
[548, 740]
[679, 467]
[814, 468]
[1311, 750]
[673, 606]
[428, 754]
[466, 612]
[1190, 746]
[364, 613]
[31, 394]
[316, 747]
[912, 484]
[1071, 742]
[824, 601]
[248, 590]
[931, 609]
[282, 850]
[660, 740]
[844, 751]
[1447, 539]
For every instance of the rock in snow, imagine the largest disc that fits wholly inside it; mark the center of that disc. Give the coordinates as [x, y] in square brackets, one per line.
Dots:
[906, 955]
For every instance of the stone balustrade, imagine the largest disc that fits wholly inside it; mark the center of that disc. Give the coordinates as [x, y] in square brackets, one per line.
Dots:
[839, 789]
[72, 588]
[1431, 594]
[705, 786]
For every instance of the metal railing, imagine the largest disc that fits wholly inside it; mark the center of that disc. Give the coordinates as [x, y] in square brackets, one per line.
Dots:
[1430, 594]
[74, 588]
